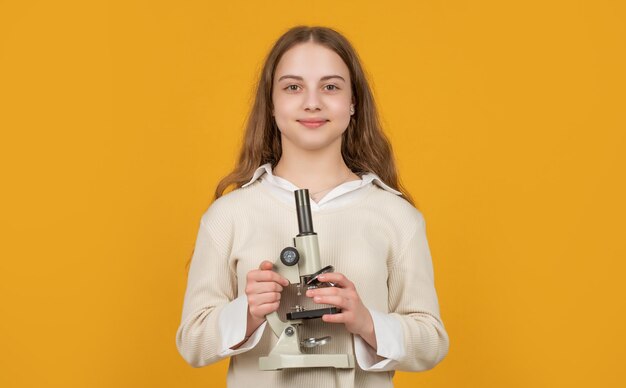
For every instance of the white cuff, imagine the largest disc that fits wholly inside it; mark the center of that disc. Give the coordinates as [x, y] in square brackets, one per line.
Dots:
[389, 343]
[232, 324]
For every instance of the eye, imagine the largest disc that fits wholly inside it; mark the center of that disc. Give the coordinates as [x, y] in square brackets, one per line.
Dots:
[290, 89]
[334, 87]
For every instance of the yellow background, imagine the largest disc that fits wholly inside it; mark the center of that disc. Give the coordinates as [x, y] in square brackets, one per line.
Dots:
[118, 119]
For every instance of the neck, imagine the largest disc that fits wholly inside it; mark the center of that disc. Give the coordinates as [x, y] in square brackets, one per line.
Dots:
[314, 170]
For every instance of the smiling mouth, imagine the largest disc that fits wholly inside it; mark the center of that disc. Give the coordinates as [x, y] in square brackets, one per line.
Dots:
[312, 124]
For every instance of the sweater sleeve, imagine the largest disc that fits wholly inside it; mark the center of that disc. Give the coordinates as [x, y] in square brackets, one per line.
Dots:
[211, 286]
[389, 340]
[232, 324]
[413, 299]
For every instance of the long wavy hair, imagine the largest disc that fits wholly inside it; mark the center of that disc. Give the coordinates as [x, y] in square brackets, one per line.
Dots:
[364, 146]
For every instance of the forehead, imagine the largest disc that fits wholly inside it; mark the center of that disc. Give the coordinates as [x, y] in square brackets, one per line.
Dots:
[311, 60]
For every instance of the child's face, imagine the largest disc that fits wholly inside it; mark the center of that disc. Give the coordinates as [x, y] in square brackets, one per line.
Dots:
[311, 97]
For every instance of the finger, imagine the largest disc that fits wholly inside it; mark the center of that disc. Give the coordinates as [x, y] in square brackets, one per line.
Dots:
[337, 278]
[326, 291]
[267, 297]
[334, 318]
[268, 276]
[264, 309]
[266, 265]
[262, 287]
[332, 300]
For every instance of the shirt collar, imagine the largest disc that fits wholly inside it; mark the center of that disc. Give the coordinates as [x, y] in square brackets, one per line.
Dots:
[267, 169]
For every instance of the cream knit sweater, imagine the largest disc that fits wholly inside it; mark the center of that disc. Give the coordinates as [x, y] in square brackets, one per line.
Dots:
[378, 241]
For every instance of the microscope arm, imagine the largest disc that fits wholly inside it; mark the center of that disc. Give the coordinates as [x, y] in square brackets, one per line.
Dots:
[275, 323]
[292, 274]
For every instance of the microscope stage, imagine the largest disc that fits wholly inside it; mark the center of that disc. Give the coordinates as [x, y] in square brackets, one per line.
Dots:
[312, 314]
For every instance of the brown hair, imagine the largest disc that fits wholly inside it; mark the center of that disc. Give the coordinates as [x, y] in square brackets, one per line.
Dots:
[364, 146]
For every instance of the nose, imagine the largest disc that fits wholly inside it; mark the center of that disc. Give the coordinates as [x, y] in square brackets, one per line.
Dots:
[312, 101]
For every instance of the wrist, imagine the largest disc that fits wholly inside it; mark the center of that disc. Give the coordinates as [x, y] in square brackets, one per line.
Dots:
[368, 326]
[253, 323]
[368, 332]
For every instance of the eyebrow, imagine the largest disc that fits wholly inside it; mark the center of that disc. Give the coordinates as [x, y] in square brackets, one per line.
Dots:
[324, 78]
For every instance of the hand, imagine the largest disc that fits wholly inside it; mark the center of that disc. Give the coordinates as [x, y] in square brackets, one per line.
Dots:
[263, 288]
[354, 314]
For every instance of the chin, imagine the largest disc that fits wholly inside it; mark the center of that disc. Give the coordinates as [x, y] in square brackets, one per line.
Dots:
[312, 146]
[310, 139]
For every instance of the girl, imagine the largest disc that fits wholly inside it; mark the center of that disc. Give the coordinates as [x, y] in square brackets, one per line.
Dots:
[314, 125]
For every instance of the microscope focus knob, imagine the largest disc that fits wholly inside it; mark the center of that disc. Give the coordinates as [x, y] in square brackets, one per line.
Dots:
[289, 256]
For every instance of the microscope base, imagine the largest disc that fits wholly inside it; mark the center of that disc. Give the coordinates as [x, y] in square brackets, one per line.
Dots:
[283, 361]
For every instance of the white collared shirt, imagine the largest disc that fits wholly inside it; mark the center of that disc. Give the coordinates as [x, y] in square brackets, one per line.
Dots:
[388, 330]
[337, 197]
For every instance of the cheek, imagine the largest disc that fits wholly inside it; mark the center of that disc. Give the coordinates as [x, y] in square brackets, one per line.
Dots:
[340, 111]
[339, 107]
[285, 106]
[283, 114]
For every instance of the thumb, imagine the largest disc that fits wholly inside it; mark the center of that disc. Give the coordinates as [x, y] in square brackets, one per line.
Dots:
[266, 265]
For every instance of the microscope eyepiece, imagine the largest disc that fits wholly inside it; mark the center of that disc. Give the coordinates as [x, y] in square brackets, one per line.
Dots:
[303, 208]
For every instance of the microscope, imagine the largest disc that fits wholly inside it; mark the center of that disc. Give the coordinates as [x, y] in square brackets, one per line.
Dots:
[300, 264]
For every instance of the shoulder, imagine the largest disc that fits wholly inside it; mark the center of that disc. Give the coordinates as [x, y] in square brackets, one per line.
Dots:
[229, 205]
[394, 217]
[394, 206]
